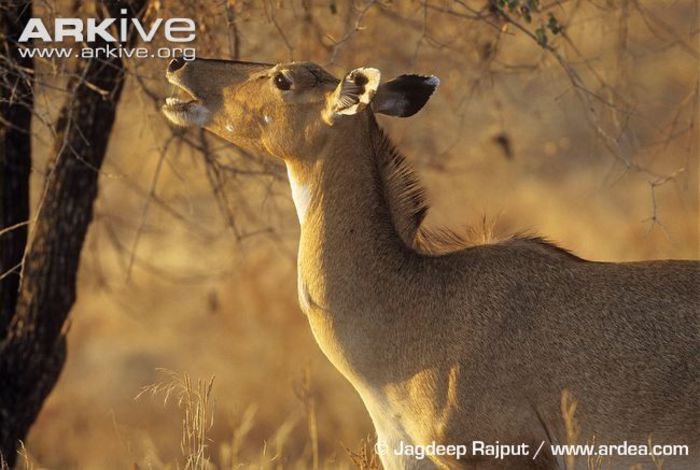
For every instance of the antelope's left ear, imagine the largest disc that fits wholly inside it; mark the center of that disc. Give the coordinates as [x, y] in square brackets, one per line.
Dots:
[405, 95]
[353, 93]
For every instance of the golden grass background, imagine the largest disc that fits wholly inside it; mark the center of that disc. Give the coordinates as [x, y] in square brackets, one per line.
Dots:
[191, 297]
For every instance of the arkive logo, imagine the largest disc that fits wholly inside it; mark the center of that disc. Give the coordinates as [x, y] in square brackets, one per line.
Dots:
[174, 29]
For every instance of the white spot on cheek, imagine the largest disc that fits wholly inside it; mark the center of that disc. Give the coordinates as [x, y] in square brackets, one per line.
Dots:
[229, 127]
[267, 119]
[301, 194]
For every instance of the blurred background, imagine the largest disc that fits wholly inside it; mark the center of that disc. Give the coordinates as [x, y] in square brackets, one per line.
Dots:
[575, 120]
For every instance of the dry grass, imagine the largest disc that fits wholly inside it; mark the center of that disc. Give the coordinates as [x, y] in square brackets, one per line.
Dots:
[573, 431]
[24, 462]
[196, 406]
[196, 403]
[569, 405]
[305, 394]
[365, 458]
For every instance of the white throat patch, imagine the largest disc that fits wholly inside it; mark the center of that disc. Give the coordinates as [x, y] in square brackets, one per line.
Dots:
[301, 194]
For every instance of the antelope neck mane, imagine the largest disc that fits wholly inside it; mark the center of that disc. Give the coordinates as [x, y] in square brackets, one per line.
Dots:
[406, 199]
[408, 206]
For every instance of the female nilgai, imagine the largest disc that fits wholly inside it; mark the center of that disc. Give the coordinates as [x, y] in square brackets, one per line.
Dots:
[472, 345]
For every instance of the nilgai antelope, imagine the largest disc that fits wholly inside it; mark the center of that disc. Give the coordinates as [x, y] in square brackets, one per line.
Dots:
[471, 347]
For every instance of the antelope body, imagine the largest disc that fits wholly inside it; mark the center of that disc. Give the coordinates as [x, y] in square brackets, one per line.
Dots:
[474, 344]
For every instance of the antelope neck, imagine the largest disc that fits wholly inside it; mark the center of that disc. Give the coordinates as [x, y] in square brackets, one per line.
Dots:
[346, 226]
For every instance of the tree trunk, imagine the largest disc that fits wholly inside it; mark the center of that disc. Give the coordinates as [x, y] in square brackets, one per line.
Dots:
[16, 101]
[32, 351]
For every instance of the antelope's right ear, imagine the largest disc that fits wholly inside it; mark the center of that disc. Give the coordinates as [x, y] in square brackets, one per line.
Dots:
[405, 95]
[353, 93]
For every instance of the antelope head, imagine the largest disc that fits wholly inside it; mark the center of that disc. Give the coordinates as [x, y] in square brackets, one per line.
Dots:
[287, 110]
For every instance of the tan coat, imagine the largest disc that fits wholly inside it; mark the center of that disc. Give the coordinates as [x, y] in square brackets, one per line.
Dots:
[472, 344]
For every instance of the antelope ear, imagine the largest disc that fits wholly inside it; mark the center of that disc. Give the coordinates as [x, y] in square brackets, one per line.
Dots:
[405, 95]
[353, 93]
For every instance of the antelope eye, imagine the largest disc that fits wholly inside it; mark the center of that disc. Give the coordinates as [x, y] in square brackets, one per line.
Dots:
[282, 82]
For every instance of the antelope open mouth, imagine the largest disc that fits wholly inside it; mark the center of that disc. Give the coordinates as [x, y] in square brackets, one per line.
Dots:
[183, 108]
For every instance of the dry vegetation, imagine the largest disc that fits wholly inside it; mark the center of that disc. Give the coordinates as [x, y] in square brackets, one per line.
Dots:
[190, 264]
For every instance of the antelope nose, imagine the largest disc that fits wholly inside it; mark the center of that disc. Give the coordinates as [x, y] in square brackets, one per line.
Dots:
[176, 64]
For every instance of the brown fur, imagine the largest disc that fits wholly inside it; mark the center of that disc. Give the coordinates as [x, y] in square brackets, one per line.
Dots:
[474, 343]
